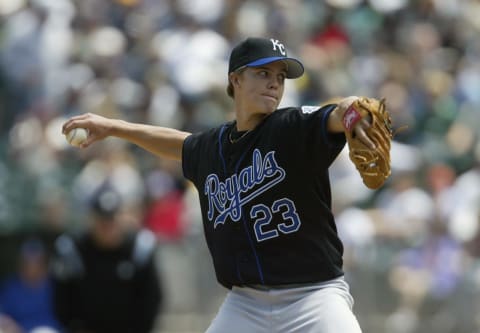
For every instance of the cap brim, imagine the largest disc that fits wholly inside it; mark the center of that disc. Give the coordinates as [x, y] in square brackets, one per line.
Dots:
[294, 67]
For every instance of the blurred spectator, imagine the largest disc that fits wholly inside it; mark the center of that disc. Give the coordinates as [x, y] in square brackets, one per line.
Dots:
[26, 297]
[425, 277]
[404, 201]
[165, 207]
[106, 279]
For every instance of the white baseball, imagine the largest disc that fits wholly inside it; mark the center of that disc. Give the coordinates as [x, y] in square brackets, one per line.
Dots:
[77, 136]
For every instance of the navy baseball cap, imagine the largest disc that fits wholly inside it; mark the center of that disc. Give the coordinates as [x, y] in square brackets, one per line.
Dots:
[253, 52]
[106, 201]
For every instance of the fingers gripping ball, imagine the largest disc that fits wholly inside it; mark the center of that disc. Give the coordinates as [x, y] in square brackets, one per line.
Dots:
[77, 136]
[372, 164]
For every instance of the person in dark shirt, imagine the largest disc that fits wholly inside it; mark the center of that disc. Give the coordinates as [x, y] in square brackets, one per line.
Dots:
[106, 279]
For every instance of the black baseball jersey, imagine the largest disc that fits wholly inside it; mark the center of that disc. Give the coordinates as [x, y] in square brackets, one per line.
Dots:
[265, 198]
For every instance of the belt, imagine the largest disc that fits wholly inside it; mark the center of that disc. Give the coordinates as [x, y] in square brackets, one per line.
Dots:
[292, 285]
[279, 286]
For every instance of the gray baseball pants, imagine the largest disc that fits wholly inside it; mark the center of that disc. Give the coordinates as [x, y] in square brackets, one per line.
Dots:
[315, 308]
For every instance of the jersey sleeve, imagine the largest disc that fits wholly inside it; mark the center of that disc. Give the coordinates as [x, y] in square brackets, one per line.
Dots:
[189, 156]
[195, 149]
[320, 114]
[313, 132]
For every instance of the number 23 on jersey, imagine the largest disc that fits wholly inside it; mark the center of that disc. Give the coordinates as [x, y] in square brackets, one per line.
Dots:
[263, 216]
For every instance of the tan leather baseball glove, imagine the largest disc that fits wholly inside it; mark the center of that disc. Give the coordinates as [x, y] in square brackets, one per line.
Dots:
[372, 164]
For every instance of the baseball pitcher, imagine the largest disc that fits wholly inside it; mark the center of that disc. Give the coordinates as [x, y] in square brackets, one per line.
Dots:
[265, 192]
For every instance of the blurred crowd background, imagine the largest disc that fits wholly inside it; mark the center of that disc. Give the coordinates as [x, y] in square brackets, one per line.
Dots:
[412, 248]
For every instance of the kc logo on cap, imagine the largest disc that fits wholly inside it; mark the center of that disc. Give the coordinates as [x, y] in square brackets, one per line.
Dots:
[276, 43]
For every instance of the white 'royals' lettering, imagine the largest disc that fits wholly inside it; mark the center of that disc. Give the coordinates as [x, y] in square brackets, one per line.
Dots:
[226, 197]
[276, 43]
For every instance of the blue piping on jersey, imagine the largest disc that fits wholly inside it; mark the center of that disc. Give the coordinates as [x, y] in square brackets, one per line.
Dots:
[220, 151]
[324, 124]
[257, 260]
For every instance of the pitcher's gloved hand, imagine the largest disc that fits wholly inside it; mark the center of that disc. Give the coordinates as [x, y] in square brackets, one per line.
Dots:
[373, 163]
